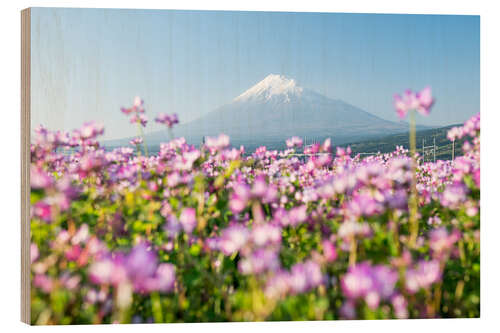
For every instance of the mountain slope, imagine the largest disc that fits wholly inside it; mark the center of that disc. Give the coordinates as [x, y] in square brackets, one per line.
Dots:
[277, 108]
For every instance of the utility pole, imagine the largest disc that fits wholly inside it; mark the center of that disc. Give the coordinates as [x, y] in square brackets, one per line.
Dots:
[453, 150]
[423, 148]
[434, 149]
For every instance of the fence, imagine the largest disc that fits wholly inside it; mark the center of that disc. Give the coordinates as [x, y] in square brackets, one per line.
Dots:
[428, 152]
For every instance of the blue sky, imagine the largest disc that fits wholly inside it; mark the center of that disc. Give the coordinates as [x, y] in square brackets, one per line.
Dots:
[87, 63]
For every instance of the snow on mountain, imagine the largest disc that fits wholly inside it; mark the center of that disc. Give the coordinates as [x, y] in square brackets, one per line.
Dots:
[273, 86]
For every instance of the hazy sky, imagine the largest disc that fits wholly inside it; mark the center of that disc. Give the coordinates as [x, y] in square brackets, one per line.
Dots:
[87, 63]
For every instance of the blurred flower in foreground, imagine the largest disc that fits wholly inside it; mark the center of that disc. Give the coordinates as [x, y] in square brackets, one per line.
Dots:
[294, 141]
[420, 102]
[370, 283]
[166, 119]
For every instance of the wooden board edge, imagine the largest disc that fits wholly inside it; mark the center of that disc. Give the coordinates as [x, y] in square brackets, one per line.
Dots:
[25, 164]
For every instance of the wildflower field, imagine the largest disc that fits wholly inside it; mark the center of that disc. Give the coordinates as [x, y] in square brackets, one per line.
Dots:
[215, 233]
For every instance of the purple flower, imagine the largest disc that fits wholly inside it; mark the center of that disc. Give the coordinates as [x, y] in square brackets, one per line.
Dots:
[321, 160]
[140, 263]
[397, 199]
[400, 306]
[91, 130]
[352, 228]
[454, 194]
[441, 242]
[165, 277]
[185, 161]
[233, 239]
[43, 282]
[259, 261]
[43, 211]
[70, 282]
[293, 142]
[326, 147]
[39, 178]
[425, 99]
[239, 198]
[358, 281]
[34, 253]
[263, 234]
[138, 103]
[217, 143]
[348, 309]
[293, 217]
[73, 253]
[329, 251]
[420, 102]
[100, 272]
[423, 275]
[263, 191]
[140, 119]
[278, 285]
[173, 227]
[370, 283]
[188, 219]
[136, 141]
[305, 276]
[312, 149]
[139, 269]
[137, 107]
[298, 279]
[313, 274]
[364, 205]
[259, 187]
[81, 236]
[168, 120]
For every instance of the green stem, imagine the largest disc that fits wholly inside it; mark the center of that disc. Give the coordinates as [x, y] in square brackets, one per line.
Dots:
[413, 200]
[352, 252]
[395, 232]
[141, 134]
[156, 307]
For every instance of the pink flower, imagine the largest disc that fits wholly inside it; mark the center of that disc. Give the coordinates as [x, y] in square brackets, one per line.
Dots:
[168, 120]
[91, 130]
[136, 141]
[43, 282]
[293, 217]
[233, 239]
[239, 198]
[441, 242]
[294, 141]
[73, 253]
[425, 99]
[43, 211]
[217, 143]
[411, 101]
[329, 251]
[34, 253]
[139, 118]
[165, 277]
[140, 262]
[370, 283]
[263, 234]
[188, 219]
[423, 276]
[39, 178]
[138, 104]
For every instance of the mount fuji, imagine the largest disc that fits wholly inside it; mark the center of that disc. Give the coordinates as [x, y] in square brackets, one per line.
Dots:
[277, 108]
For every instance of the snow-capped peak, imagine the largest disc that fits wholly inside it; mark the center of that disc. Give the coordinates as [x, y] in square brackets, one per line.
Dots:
[272, 86]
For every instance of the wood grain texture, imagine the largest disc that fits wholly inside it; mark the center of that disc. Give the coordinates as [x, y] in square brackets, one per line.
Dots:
[25, 163]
